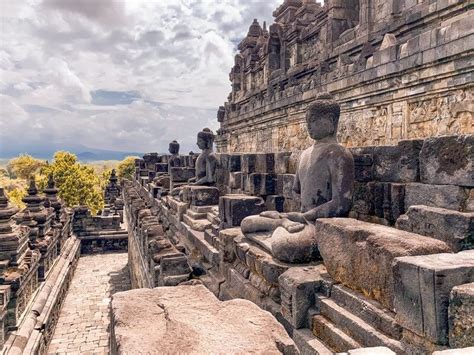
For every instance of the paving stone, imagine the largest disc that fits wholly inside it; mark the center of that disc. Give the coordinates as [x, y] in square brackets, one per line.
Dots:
[84, 318]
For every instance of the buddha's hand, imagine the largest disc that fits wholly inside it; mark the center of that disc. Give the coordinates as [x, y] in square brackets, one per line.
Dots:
[295, 217]
[270, 214]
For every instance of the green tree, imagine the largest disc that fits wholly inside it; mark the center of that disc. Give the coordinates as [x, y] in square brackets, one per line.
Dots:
[126, 168]
[16, 195]
[24, 166]
[77, 183]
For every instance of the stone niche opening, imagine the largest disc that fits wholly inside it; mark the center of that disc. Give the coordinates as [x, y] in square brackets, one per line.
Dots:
[274, 50]
[345, 16]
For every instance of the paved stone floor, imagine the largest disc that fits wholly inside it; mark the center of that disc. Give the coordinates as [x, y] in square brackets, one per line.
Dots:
[84, 320]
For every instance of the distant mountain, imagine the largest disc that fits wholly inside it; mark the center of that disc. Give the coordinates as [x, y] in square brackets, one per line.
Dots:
[46, 151]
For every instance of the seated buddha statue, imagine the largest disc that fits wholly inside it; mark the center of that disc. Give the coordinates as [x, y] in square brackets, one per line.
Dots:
[163, 179]
[324, 180]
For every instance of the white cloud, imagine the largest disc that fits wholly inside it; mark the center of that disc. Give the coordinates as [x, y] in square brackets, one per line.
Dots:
[54, 53]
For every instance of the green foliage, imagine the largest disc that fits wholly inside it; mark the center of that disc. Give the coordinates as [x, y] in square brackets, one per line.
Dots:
[24, 166]
[126, 168]
[16, 195]
[77, 183]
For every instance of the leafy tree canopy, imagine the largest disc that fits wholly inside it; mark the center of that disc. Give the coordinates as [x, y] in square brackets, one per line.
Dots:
[126, 168]
[24, 166]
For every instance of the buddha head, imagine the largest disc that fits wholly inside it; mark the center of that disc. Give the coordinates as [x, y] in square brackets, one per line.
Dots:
[322, 117]
[173, 147]
[205, 139]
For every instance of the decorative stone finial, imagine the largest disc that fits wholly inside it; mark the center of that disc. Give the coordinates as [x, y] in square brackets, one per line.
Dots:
[6, 213]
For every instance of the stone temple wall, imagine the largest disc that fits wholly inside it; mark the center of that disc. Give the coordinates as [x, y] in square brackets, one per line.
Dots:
[400, 69]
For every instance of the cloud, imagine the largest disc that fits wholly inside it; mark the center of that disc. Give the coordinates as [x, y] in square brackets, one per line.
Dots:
[116, 74]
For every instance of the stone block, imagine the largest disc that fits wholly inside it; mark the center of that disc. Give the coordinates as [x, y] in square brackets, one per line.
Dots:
[364, 167]
[461, 316]
[298, 286]
[167, 316]
[201, 195]
[235, 180]
[234, 208]
[282, 161]
[226, 243]
[398, 163]
[265, 163]
[274, 203]
[249, 162]
[448, 161]
[362, 198]
[360, 254]
[454, 228]
[179, 174]
[285, 185]
[442, 196]
[161, 168]
[261, 184]
[234, 163]
[422, 288]
[388, 200]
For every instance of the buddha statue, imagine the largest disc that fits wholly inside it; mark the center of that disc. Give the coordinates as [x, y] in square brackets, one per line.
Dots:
[206, 163]
[324, 180]
[174, 160]
[163, 179]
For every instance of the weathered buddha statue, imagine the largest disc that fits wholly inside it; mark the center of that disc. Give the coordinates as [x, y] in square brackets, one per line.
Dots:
[163, 179]
[324, 180]
[206, 163]
[174, 160]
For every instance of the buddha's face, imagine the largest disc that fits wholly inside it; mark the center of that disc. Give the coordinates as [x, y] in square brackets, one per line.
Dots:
[321, 126]
[173, 149]
[202, 143]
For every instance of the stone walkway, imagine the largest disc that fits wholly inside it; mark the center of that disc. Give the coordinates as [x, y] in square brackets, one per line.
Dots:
[84, 320]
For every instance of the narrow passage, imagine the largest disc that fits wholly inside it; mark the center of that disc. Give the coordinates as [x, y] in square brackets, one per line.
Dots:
[83, 326]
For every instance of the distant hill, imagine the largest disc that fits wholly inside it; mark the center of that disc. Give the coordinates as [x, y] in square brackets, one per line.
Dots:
[46, 151]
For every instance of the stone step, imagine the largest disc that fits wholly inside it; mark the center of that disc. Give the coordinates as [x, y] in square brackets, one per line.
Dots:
[331, 335]
[368, 310]
[308, 344]
[196, 215]
[197, 224]
[355, 327]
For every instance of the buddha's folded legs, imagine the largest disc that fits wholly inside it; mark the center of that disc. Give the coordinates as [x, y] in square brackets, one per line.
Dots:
[300, 247]
[255, 224]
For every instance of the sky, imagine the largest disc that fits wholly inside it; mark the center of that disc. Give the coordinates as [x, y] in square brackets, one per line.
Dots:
[123, 75]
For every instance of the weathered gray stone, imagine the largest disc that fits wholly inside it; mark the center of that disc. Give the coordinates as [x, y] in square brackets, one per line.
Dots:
[461, 316]
[298, 287]
[454, 228]
[234, 208]
[261, 184]
[398, 163]
[190, 319]
[201, 195]
[360, 254]
[179, 174]
[443, 196]
[422, 287]
[448, 160]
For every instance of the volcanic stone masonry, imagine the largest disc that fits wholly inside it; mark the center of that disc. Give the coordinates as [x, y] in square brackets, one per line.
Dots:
[401, 69]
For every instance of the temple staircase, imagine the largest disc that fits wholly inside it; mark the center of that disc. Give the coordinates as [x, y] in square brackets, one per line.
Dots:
[343, 319]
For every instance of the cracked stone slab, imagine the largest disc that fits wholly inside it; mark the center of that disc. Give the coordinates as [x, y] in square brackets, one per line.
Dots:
[191, 320]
